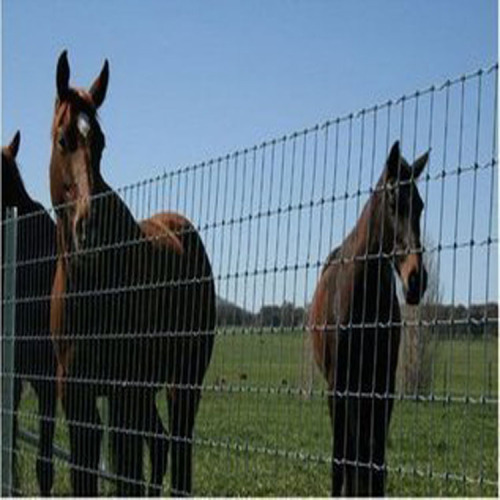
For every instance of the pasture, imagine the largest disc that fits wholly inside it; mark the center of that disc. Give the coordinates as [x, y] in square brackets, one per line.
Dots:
[263, 426]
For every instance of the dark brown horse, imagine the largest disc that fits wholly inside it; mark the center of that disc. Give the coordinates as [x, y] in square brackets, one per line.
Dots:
[355, 323]
[34, 358]
[133, 309]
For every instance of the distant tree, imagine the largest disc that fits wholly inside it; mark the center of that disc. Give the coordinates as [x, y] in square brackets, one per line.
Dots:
[291, 316]
[229, 314]
[270, 315]
[287, 314]
[299, 317]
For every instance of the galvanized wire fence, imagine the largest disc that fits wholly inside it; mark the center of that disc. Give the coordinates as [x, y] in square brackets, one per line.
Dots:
[269, 216]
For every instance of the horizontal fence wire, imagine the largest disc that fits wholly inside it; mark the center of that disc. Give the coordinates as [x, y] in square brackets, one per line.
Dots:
[275, 220]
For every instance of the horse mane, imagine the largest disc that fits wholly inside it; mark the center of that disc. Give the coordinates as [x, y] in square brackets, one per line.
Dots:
[332, 257]
[356, 242]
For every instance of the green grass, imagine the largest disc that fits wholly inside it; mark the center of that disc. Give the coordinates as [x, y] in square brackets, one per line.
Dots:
[257, 434]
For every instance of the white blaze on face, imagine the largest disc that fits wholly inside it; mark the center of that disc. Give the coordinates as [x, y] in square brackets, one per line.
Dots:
[83, 124]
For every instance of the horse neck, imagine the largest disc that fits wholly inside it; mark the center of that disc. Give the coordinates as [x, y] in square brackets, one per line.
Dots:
[366, 250]
[35, 228]
[116, 217]
[370, 236]
[24, 203]
[117, 228]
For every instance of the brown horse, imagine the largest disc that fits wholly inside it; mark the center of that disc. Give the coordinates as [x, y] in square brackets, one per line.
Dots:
[355, 323]
[133, 309]
[34, 358]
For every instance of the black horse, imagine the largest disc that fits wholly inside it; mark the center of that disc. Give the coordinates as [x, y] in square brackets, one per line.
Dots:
[34, 359]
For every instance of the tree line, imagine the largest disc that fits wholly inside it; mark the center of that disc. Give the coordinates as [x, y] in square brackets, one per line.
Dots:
[285, 315]
[444, 319]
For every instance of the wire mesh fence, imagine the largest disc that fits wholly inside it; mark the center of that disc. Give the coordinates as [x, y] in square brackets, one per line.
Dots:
[268, 218]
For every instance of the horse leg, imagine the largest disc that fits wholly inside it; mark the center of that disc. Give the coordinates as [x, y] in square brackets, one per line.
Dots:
[126, 442]
[353, 468]
[362, 422]
[336, 406]
[339, 414]
[370, 427]
[84, 425]
[382, 412]
[46, 392]
[350, 423]
[158, 441]
[183, 405]
[375, 412]
[382, 415]
[369, 477]
[344, 452]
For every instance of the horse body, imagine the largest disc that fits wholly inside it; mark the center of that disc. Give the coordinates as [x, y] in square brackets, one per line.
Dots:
[34, 358]
[136, 317]
[133, 310]
[130, 297]
[348, 352]
[355, 331]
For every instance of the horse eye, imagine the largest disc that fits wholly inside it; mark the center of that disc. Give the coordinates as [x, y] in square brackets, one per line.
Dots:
[62, 141]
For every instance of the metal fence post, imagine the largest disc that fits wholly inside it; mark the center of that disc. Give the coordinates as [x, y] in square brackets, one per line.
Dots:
[105, 465]
[9, 294]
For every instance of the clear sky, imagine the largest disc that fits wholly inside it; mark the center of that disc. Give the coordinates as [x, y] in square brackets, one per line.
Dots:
[190, 81]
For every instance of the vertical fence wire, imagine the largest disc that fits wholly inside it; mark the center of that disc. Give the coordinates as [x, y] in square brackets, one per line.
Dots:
[8, 348]
[274, 220]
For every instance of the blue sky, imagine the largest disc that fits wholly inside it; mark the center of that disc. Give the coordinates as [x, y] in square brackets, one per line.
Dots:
[190, 81]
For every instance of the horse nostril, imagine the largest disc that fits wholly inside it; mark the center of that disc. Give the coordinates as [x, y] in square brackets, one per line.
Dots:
[413, 281]
[417, 281]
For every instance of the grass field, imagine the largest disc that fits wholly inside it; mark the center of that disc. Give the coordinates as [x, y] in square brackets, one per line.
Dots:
[258, 435]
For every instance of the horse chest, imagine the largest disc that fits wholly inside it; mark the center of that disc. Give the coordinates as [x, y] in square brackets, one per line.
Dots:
[372, 294]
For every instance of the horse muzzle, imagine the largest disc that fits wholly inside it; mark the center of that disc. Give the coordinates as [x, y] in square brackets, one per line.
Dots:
[84, 237]
[416, 286]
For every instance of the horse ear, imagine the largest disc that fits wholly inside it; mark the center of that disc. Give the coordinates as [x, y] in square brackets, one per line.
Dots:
[419, 164]
[100, 85]
[62, 77]
[394, 161]
[14, 144]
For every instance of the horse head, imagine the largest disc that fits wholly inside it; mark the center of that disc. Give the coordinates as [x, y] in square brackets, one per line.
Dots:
[13, 190]
[77, 146]
[402, 210]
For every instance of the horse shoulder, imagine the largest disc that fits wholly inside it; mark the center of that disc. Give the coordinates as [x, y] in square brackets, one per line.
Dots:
[323, 319]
